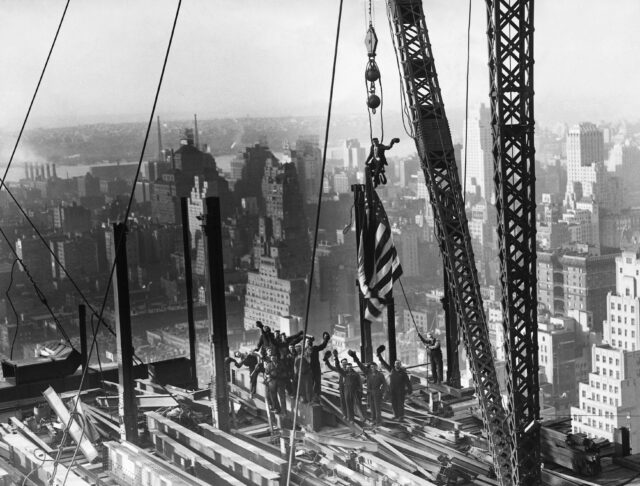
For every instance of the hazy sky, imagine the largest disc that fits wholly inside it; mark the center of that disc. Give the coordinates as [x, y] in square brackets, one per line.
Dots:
[273, 57]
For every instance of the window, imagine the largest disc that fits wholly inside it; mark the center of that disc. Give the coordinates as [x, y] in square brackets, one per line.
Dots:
[619, 307]
[597, 357]
[613, 306]
[617, 362]
[610, 360]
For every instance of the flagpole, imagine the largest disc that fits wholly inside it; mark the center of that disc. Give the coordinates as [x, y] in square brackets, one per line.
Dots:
[366, 348]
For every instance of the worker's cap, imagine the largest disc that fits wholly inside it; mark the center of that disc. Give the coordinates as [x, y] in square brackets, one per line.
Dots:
[237, 354]
[277, 331]
[373, 363]
[310, 338]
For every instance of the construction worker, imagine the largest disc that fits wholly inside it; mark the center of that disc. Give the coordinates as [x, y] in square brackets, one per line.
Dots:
[267, 339]
[376, 387]
[314, 362]
[274, 381]
[377, 160]
[352, 392]
[251, 361]
[340, 368]
[399, 384]
[435, 356]
[302, 366]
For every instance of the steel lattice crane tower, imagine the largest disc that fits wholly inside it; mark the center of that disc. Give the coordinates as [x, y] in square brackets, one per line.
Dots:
[513, 434]
[510, 34]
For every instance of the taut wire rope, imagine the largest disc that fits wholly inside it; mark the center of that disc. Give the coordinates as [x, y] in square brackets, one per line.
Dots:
[315, 244]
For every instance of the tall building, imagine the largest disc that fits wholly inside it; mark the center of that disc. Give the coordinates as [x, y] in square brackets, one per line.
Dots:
[587, 176]
[576, 279]
[611, 397]
[479, 164]
[353, 155]
[71, 219]
[281, 250]
[79, 255]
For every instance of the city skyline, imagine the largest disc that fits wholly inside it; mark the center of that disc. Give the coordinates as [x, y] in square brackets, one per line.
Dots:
[109, 54]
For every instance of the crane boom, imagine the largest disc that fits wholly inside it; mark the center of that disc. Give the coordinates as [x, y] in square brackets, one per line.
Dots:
[510, 36]
[435, 149]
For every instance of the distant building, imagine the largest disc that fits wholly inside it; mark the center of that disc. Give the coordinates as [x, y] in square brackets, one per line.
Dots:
[36, 258]
[611, 397]
[354, 155]
[78, 255]
[281, 250]
[576, 279]
[479, 158]
[71, 219]
[587, 176]
[557, 353]
[341, 183]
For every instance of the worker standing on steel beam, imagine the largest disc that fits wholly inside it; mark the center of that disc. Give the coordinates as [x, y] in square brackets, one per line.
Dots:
[399, 384]
[340, 368]
[274, 381]
[435, 355]
[376, 387]
[314, 362]
[302, 367]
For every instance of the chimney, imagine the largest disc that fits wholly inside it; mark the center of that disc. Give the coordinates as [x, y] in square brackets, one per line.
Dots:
[195, 129]
[53, 171]
[48, 171]
[31, 174]
[159, 141]
[26, 170]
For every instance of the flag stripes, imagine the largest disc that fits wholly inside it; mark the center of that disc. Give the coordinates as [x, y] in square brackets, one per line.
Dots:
[378, 263]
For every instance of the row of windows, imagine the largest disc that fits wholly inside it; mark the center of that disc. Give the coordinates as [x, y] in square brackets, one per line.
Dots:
[620, 307]
[596, 385]
[604, 360]
[596, 398]
[604, 372]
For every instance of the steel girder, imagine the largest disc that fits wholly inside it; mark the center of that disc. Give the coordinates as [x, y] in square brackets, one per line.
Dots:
[510, 35]
[435, 148]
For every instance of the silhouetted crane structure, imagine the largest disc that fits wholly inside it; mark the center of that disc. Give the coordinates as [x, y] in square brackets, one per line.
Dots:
[512, 432]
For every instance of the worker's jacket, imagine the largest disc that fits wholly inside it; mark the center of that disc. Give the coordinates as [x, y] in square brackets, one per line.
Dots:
[352, 382]
[376, 383]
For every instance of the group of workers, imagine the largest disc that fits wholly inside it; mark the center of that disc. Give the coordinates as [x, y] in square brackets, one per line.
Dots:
[281, 359]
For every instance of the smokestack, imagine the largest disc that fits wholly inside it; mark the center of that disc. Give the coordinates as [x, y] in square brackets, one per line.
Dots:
[195, 128]
[53, 171]
[48, 172]
[31, 174]
[26, 170]
[159, 141]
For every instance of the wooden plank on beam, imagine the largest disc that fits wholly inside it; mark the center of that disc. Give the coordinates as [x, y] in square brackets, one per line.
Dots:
[234, 463]
[260, 456]
[185, 458]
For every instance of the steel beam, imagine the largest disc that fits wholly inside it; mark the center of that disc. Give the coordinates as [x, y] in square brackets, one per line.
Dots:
[217, 312]
[188, 280]
[510, 36]
[124, 346]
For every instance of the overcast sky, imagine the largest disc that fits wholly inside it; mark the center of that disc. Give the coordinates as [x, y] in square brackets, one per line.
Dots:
[273, 57]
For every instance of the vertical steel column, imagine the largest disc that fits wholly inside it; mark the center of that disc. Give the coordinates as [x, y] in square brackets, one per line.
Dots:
[451, 326]
[366, 346]
[391, 330]
[82, 324]
[128, 409]
[510, 36]
[435, 148]
[188, 280]
[216, 311]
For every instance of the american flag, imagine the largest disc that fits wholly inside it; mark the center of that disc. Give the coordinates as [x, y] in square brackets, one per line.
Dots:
[378, 262]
